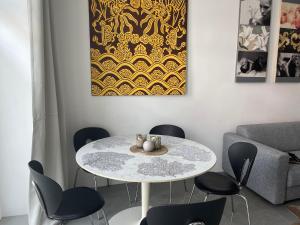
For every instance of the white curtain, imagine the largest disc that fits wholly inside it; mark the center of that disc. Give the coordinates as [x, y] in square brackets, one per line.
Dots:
[48, 127]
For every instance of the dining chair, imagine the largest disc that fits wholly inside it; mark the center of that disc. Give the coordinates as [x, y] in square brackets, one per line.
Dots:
[170, 130]
[63, 206]
[203, 213]
[241, 156]
[83, 137]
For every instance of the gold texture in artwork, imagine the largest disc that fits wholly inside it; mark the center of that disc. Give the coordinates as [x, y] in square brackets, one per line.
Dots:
[289, 41]
[138, 47]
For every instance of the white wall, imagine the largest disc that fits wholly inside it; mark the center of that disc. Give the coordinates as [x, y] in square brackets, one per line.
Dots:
[15, 106]
[214, 103]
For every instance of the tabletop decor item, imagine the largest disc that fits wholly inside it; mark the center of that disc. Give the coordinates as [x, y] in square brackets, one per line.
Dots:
[156, 140]
[288, 62]
[163, 150]
[138, 47]
[148, 146]
[140, 139]
[253, 40]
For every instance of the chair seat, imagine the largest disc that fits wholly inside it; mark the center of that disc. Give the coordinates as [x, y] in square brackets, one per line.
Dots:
[144, 222]
[217, 183]
[77, 203]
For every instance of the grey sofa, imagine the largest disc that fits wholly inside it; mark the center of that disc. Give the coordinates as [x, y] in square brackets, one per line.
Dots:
[272, 177]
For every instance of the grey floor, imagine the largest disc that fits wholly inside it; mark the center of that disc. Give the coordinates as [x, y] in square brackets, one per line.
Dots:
[262, 212]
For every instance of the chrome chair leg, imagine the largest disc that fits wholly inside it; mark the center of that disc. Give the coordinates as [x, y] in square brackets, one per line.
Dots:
[96, 189]
[232, 209]
[128, 194]
[170, 200]
[185, 187]
[104, 215]
[136, 192]
[247, 207]
[107, 183]
[98, 214]
[91, 219]
[206, 197]
[95, 183]
[76, 176]
[192, 192]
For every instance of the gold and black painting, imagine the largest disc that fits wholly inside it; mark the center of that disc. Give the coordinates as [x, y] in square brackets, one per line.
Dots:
[138, 47]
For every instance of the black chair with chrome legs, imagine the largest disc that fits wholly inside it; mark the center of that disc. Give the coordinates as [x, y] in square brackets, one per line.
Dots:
[63, 206]
[241, 157]
[203, 213]
[170, 130]
[83, 137]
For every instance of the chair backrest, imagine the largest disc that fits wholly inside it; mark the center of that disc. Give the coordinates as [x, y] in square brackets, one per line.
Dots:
[168, 129]
[203, 213]
[48, 191]
[82, 136]
[242, 156]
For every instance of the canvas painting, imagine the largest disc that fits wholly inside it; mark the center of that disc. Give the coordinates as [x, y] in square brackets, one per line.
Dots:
[253, 40]
[288, 62]
[138, 47]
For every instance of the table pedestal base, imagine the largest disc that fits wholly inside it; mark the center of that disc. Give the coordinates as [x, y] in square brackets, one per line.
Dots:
[131, 216]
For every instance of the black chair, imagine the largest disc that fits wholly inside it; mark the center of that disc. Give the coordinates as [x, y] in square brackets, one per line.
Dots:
[241, 157]
[167, 129]
[63, 206]
[203, 213]
[83, 137]
[170, 130]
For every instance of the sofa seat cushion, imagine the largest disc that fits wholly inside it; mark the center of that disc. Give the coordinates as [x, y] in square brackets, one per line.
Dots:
[293, 175]
[282, 136]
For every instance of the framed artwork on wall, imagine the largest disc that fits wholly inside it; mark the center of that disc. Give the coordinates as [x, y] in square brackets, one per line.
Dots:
[138, 47]
[253, 40]
[288, 62]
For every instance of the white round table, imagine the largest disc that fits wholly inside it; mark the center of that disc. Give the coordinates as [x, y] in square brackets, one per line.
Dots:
[111, 158]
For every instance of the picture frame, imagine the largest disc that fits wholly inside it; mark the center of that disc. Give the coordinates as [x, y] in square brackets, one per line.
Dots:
[253, 40]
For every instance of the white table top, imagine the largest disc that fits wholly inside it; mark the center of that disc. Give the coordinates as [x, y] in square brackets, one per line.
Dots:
[111, 158]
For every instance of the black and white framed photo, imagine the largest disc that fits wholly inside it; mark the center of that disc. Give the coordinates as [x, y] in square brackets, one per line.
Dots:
[253, 40]
[251, 65]
[288, 67]
[255, 12]
[288, 61]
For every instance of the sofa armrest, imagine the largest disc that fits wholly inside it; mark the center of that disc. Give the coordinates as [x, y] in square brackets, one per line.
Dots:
[268, 177]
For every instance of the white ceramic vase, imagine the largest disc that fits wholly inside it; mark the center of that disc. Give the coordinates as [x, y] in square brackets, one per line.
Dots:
[148, 146]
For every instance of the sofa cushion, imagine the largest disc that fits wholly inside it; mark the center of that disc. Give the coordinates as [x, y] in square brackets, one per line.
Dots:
[282, 136]
[294, 173]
